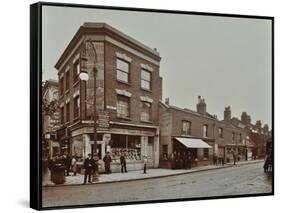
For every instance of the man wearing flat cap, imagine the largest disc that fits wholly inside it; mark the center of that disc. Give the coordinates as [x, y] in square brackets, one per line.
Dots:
[88, 166]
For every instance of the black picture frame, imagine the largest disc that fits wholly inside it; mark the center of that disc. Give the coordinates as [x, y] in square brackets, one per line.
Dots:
[36, 100]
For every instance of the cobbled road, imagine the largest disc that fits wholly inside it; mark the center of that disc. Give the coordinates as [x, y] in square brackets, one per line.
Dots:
[238, 180]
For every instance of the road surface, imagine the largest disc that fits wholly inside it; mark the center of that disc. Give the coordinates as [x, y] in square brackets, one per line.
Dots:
[244, 179]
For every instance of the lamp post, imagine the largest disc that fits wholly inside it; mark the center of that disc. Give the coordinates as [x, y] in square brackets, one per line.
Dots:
[84, 76]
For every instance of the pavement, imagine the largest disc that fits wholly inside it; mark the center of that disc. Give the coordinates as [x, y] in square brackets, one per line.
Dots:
[138, 175]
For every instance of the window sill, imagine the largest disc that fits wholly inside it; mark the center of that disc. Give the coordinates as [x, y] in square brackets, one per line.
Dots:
[124, 82]
[123, 118]
[147, 122]
[147, 90]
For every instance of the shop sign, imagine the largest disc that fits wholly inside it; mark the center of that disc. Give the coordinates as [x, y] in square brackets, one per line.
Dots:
[103, 120]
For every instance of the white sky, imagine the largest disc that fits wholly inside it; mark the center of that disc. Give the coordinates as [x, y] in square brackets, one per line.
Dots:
[225, 60]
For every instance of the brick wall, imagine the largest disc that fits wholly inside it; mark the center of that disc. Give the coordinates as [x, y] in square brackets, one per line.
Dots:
[134, 85]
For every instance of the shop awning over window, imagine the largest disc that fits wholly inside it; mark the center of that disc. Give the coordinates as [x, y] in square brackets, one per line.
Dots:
[193, 143]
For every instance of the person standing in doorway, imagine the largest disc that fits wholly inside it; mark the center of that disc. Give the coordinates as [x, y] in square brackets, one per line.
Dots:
[123, 163]
[107, 161]
[144, 164]
[88, 166]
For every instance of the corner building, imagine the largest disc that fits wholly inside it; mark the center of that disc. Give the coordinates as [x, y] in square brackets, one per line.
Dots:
[128, 90]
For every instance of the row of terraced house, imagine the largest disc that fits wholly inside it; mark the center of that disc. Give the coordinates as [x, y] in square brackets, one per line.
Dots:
[132, 119]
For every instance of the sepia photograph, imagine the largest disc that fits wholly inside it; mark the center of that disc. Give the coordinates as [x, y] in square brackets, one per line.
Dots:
[141, 105]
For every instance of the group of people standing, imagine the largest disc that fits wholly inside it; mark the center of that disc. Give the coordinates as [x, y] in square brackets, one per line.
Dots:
[218, 160]
[181, 160]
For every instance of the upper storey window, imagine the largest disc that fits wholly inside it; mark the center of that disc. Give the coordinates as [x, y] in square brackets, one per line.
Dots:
[123, 70]
[145, 79]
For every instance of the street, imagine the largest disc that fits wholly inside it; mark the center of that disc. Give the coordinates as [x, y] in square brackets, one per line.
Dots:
[238, 180]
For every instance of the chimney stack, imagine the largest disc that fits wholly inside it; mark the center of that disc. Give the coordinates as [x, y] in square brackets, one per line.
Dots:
[227, 113]
[258, 124]
[266, 128]
[201, 106]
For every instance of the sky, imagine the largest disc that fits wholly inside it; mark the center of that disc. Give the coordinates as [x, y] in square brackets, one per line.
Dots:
[225, 60]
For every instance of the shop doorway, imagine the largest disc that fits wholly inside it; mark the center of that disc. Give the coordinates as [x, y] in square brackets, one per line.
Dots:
[99, 151]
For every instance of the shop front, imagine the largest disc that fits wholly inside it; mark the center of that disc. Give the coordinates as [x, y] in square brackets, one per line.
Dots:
[132, 143]
[239, 150]
[199, 151]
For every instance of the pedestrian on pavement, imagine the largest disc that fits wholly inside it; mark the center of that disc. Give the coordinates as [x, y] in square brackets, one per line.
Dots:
[215, 159]
[189, 160]
[173, 160]
[176, 160]
[74, 165]
[88, 166]
[107, 161]
[222, 161]
[234, 157]
[67, 164]
[123, 163]
[184, 160]
[144, 164]
[180, 161]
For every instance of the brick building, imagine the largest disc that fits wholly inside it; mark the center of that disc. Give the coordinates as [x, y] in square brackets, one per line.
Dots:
[184, 129]
[128, 90]
[50, 115]
[258, 134]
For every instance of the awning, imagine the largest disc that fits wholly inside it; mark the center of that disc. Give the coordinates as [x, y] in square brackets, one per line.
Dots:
[193, 143]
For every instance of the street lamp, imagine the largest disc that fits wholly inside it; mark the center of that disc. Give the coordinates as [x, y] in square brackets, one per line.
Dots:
[84, 76]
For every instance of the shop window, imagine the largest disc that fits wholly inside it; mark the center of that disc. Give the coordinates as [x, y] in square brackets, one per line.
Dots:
[145, 111]
[123, 107]
[122, 70]
[206, 153]
[76, 71]
[145, 79]
[186, 127]
[220, 132]
[229, 150]
[240, 151]
[205, 130]
[129, 146]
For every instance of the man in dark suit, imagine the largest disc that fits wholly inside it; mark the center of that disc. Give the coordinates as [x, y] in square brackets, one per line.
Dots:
[88, 165]
[123, 163]
[107, 161]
